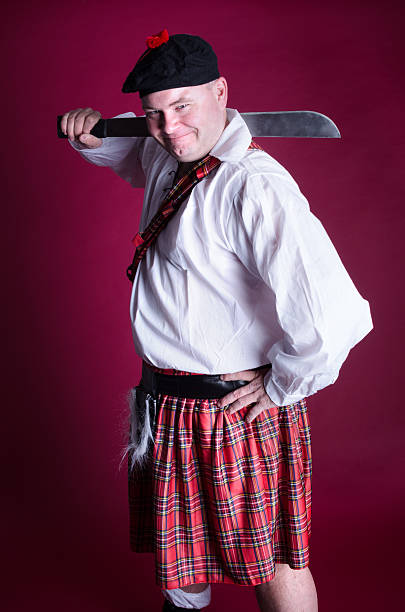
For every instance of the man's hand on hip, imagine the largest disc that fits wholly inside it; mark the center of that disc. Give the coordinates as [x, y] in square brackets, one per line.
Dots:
[253, 394]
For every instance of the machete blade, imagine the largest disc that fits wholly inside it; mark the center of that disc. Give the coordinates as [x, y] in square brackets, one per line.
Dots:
[291, 124]
[281, 124]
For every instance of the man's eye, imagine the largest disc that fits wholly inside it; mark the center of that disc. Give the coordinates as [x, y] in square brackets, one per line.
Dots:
[152, 114]
[181, 106]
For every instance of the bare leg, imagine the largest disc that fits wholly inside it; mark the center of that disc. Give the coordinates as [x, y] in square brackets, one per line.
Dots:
[289, 591]
[195, 588]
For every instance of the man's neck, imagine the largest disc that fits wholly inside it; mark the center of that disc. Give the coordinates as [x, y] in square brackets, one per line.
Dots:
[183, 168]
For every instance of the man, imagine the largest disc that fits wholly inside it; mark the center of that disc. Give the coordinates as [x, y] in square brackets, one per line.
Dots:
[240, 309]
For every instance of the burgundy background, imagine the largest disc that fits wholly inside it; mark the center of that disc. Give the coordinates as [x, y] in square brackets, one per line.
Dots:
[69, 358]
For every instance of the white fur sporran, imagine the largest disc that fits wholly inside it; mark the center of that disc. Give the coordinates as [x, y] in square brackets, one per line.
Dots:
[142, 406]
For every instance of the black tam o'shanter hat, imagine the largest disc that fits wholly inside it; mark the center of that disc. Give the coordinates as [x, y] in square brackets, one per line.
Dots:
[181, 60]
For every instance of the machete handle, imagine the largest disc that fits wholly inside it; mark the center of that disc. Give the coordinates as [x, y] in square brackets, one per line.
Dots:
[99, 130]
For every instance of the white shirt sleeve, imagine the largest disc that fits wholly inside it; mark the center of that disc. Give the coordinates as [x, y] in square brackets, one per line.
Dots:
[318, 308]
[122, 155]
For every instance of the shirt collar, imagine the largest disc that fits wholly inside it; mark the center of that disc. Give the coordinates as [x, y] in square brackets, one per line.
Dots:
[234, 140]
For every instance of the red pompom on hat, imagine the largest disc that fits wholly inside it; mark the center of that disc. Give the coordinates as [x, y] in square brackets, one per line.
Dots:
[157, 39]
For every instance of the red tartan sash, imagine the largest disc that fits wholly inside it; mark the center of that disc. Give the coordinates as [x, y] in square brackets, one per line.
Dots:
[170, 205]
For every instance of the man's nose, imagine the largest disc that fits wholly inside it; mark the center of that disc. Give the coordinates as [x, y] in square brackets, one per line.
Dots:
[169, 122]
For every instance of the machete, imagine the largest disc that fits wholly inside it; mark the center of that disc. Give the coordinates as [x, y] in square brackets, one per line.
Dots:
[284, 124]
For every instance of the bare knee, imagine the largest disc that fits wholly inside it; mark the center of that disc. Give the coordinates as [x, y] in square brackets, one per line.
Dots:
[290, 590]
[195, 588]
[283, 572]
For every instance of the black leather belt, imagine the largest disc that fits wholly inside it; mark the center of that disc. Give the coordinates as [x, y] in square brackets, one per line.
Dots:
[196, 386]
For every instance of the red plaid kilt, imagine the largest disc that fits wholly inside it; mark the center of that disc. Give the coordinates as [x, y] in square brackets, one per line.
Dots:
[222, 500]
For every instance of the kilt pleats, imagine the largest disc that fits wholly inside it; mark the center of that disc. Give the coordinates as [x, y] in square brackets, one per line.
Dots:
[222, 500]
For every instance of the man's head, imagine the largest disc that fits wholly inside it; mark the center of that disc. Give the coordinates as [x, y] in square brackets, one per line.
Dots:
[187, 121]
[183, 96]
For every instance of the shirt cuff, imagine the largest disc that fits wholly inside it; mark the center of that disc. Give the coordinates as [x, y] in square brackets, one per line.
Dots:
[277, 395]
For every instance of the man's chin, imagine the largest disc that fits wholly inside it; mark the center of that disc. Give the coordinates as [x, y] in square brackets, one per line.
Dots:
[184, 157]
[184, 154]
[187, 155]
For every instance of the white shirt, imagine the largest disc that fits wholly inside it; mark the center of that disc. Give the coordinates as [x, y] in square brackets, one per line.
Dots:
[243, 275]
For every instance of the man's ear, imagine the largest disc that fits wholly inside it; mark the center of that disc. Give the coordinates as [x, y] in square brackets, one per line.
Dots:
[221, 91]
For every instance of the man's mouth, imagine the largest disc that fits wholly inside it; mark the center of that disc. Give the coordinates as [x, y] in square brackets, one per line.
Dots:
[174, 138]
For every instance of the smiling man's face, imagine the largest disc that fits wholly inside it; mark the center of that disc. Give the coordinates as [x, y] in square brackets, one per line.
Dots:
[187, 121]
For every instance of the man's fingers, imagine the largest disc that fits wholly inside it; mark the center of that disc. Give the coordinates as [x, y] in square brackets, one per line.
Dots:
[90, 121]
[253, 394]
[234, 395]
[63, 122]
[258, 408]
[244, 375]
[92, 142]
[80, 119]
[70, 123]
[65, 119]
[77, 125]
[242, 402]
